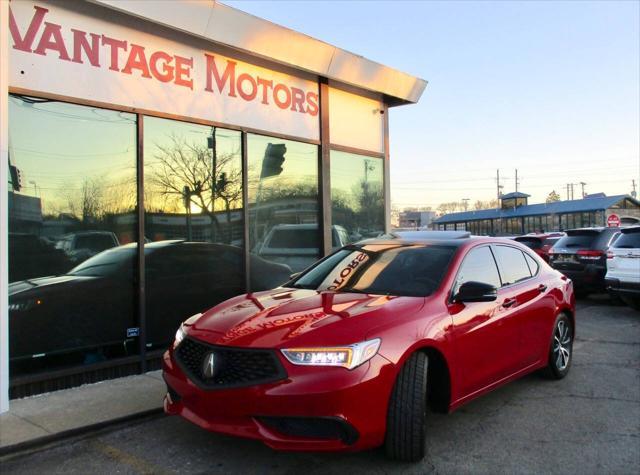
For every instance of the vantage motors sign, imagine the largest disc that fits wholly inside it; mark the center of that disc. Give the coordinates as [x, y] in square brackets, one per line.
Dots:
[72, 53]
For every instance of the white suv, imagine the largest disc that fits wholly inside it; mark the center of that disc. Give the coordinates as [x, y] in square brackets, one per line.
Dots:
[623, 267]
[298, 245]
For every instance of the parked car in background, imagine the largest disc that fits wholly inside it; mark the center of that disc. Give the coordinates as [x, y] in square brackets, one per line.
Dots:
[297, 245]
[349, 354]
[90, 309]
[623, 267]
[581, 255]
[540, 243]
[83, 245]
[33, 256]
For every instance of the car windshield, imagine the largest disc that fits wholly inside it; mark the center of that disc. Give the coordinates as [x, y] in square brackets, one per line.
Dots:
[106, 263]
[295, 238]
[383, 269]
[95, 242]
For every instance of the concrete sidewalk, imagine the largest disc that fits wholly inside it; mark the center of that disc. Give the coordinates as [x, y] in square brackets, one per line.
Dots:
[43, 418]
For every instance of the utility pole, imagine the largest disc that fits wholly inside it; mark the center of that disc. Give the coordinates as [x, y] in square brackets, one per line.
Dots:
[633, 193]
[572, 190]
[516, 180]
[498, 184]
[466, 203]
[583, 184]
[568, 196]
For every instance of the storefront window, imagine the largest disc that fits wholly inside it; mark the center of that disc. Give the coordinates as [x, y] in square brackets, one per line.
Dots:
[193, 222]
[283, 209]
[72, 232]
[357, 195]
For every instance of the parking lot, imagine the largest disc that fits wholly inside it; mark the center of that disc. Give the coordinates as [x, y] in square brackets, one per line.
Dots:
[587, 423]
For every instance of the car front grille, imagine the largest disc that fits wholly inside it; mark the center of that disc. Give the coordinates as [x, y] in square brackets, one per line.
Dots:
[233, 367]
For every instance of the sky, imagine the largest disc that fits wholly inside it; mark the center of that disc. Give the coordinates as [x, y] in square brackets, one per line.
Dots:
[549, 88]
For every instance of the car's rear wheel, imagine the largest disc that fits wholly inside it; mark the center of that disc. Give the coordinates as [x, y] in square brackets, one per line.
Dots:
[406, 418]
[561, 349]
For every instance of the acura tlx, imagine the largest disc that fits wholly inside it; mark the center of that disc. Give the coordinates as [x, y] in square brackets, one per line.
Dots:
[351, 353]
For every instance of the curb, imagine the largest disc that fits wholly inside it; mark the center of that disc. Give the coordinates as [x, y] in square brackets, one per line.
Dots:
[51, 439]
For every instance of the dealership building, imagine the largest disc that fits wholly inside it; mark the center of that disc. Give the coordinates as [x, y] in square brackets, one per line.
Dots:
[516, 216]
[161, 157]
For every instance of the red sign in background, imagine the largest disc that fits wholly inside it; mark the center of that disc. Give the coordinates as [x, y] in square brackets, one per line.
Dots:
[613, 221]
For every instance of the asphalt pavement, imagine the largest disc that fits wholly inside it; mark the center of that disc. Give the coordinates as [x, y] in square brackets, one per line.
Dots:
[587, 423]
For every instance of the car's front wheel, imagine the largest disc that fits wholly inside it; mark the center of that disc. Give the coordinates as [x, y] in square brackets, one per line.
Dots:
[406, 418]
[561, 350]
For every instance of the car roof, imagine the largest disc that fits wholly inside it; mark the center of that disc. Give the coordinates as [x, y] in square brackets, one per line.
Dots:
[447, 241]
[439, 235]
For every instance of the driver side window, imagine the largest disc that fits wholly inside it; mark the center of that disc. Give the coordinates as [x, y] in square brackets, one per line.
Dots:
[478, 266]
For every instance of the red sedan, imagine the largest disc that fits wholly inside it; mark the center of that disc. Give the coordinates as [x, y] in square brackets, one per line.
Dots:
[349, 354]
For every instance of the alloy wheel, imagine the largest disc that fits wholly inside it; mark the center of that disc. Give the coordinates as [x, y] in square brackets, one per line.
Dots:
[562, 345]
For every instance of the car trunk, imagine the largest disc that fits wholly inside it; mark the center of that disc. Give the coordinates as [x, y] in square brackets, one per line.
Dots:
[576, 250]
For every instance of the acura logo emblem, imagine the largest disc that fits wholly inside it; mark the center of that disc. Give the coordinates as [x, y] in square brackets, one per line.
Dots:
[209, 366]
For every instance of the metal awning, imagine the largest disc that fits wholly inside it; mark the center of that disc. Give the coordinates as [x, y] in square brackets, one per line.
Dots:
[219, 23]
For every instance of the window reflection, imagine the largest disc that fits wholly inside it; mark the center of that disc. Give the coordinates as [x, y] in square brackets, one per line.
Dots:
[357, 196]
[283, 206]
[72, 198]
[193, 222]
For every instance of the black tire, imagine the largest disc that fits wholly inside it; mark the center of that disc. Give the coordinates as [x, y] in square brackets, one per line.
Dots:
[560, 349]
[406, 418]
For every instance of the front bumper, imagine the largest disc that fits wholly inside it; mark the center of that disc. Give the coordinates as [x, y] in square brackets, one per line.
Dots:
[349, 407]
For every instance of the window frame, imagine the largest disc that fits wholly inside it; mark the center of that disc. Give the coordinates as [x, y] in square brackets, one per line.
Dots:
[452, 290]
[525, 261]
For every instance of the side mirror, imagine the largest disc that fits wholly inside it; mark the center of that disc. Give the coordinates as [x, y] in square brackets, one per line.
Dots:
[476, 292]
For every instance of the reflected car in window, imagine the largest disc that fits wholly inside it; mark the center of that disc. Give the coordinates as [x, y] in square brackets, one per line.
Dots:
[83, 245]
[296, 245]
[347, 355]
[88, 311]
[33, 256]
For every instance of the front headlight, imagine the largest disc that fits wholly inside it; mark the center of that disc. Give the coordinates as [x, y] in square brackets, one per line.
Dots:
[348, 356]
[180, 334]
[182, 330]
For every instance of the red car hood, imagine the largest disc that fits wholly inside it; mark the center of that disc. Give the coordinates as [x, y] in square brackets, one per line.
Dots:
[283, 317]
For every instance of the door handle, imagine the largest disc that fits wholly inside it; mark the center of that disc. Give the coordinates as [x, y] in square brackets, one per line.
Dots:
[508, 303]
[542, 288]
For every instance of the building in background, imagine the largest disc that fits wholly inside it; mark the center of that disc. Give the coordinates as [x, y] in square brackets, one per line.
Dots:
[415, 219]
[516, 216]
[152, 149]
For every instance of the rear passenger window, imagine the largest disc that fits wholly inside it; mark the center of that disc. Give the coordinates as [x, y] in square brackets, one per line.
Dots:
[478, 266]
[533, 265]
[513, 266]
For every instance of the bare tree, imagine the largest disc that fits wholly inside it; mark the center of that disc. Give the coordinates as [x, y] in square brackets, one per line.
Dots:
[205, 176]
[488, 204]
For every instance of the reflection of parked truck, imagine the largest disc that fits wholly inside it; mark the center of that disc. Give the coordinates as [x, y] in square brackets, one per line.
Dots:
[83, 245]
[298, 245]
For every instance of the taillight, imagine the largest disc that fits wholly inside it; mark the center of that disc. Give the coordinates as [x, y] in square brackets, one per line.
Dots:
[590, 254]
[610, 255]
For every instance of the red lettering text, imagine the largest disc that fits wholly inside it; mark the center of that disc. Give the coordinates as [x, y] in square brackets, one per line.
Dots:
[81, 44]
